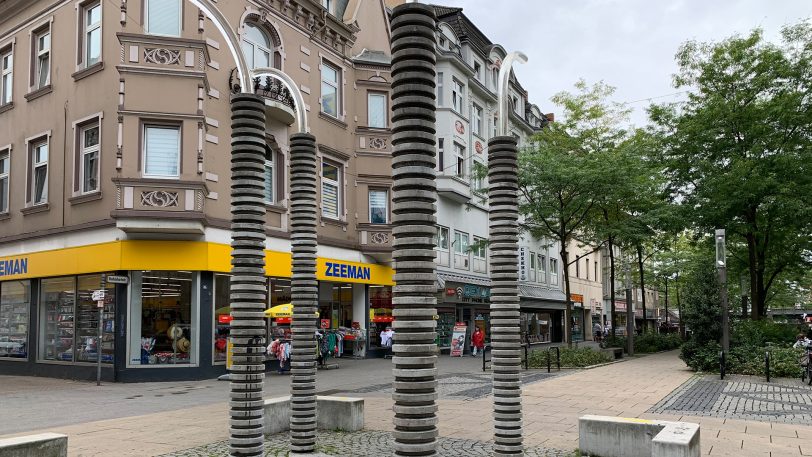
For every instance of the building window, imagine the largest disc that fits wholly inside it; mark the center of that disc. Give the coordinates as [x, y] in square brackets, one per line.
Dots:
[330, 89]
[440, 155]
[461, 250]
[89, 158]
[596, 270]
[442, 42]
[163, 320]
[376, 110]
[478, 70]
[495, 75]
[329, 5]
[90, 49]
[440, 98]
[15, 300]
[554, 272]
[532, 271]
[457, 95]
[39, 172]
[577, 267]
[257, 47]
[42, 59]
[476, 119]
[586, 268]
[479, 173]
[162, 151]
[459, 155]
[5, 162]
[442, 246]
[164, 17]
[480, 249]
[493, 126]
[542, 260]
[378, 207]
[269, 181]
[6, 76]
[330, 201]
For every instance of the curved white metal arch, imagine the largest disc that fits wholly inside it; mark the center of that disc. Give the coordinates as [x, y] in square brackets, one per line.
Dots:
[301, 114]
[503, 93]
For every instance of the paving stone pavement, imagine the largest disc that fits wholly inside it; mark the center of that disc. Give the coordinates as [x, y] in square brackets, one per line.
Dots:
[364, 443]
[741, 397]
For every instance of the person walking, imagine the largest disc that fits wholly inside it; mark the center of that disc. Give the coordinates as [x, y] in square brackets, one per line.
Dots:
[597, 331]
[477, 341]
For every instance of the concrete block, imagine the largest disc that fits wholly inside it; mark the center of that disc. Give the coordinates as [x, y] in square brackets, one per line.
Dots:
[678, 439]
[629, 437]
[40, 445]
[340, 413]
[277, 415]
[332, 413]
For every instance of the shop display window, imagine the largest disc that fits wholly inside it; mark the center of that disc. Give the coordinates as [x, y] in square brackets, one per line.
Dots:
[163, 318]
[279, 295]
[15, 299]
[380, 312]
[69, 320]
[222, 317]
[335, 305]
[445, 328]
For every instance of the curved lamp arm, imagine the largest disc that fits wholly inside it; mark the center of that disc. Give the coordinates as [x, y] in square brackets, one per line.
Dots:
[502, 91]
[232, 41]
[301, 115]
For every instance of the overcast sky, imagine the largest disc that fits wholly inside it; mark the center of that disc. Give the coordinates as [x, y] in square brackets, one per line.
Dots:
[629, 44]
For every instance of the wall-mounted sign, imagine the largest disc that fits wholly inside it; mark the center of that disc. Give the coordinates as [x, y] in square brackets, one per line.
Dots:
[523, 264]
[343, 270]
[14, 266]
[577, 298]
[117, 279]
[450, 291]
[478, 147]
[459, 127]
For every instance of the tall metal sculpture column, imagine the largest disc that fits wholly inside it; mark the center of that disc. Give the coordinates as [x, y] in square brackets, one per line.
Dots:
[503, 200]
[248, 283]
[414, 208]
[304, 292]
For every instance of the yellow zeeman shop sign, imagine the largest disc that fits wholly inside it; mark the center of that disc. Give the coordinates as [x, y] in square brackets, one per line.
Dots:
[173, 256]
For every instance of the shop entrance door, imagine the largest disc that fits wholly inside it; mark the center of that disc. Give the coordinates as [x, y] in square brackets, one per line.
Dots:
[466, 314]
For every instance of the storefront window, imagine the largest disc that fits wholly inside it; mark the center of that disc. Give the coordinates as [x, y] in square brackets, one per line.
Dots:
[58, 300]
[280, 295]
[222, 316]
[15, 298]
[87, 321]
[163, 318]
[577, 324]
[380, 312]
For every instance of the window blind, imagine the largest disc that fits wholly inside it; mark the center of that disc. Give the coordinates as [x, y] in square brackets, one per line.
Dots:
[329, 200]
[162, 151]
[164, 17]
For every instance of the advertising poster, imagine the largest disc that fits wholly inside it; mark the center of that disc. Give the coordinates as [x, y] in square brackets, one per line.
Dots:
[458, 339]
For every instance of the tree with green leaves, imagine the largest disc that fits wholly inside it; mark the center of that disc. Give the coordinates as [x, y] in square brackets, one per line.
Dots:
[738, 150]
[559, 175]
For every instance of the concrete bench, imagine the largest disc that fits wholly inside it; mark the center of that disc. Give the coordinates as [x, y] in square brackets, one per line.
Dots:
[616, 353]
[41, 445]
[603, 436]
[332, 413]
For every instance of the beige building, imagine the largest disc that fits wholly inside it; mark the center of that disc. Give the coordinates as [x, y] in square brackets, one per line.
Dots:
[115, 159]
[586, 289]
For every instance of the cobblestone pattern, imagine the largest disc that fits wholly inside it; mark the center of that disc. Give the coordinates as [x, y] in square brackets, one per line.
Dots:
[414, 196]
[741, 397]
[456, 386]
[248, 283]
[366, 443]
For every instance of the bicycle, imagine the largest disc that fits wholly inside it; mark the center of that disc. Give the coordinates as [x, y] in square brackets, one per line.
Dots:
[806, 367]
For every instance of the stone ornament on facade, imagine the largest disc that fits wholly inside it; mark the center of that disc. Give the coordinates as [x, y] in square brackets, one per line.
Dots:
[379, 238]
[159, 198]
[162, 56]
[304, 291]
[377, 143]
[248, 285]
[414, 220]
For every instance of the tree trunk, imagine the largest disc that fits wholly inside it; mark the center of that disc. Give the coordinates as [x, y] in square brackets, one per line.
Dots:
[642, 284]
[679, 309]
[753, 269]
[612, 317]
[568, 312]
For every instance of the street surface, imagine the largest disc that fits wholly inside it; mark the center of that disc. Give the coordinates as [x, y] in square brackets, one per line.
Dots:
[741, 416]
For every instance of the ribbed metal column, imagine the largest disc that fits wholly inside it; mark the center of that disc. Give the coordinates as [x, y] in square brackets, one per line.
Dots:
[414, 208]
[503, 192]
[248, 283]
[304, 292]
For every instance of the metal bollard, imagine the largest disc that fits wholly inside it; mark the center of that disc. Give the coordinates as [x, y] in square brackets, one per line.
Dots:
[558, 358]
[484, 350]
[549, 361]
[767, 364]
[721, 364]
[526, 358]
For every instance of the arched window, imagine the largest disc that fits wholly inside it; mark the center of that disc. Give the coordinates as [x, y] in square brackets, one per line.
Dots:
[257, 47]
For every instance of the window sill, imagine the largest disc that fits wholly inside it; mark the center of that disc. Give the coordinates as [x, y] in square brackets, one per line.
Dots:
[33, 95]
[6, 107]
[5, 216]
[274, 208]
[336, 222]
[40, 208]
[85, 72]
[79, 199]
[332, 120]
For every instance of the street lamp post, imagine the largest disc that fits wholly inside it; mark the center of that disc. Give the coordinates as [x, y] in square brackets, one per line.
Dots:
[667, 327]
[503, 201]
[721, 265]
[414, 197]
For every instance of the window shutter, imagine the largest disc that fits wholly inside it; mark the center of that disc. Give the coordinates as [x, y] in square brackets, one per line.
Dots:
[162, 151]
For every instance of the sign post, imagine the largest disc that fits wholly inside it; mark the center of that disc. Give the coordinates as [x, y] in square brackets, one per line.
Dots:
[98, 296]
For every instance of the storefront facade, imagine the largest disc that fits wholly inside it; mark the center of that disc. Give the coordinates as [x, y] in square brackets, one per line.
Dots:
[168, 322]
[542, 314]
[462, 299]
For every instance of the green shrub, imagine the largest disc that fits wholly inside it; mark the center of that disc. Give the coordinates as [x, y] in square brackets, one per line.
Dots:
[746, 360]
[656, 342]
[750, 333]
[570, 357]
[701, 357]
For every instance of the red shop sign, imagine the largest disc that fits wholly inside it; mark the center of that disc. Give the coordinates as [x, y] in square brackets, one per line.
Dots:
[450, 291]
